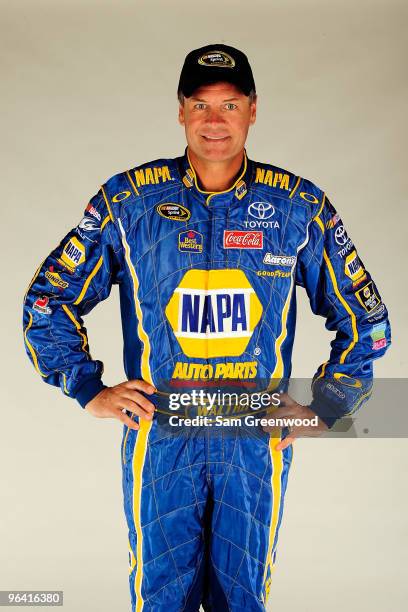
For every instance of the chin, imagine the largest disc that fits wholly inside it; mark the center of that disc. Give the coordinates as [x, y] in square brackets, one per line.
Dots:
[217, 156]
[214, 153]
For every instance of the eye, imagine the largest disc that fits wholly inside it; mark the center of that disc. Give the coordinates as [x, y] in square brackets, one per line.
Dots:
[199, 106]
[230, 106]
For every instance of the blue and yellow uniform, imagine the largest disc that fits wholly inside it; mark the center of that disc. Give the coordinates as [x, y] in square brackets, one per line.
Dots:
[207, 289]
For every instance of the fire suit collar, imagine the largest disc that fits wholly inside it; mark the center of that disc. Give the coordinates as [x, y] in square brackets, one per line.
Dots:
[236, 192]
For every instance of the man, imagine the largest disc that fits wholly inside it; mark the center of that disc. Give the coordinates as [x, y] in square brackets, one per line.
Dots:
[207, 250]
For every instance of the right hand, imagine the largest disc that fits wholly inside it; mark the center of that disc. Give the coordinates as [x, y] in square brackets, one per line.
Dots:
[110, 402]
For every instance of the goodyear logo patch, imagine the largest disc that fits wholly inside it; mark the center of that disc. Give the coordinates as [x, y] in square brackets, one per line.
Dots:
[73, 254]
[274, 273]
[190, 242]
[175, 212]
[213, 313]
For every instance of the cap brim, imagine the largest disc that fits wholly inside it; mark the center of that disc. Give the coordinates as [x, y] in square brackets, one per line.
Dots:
[225, 75]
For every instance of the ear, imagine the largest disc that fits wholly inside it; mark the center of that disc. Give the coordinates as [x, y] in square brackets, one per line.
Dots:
[252, 117]
[181, 114]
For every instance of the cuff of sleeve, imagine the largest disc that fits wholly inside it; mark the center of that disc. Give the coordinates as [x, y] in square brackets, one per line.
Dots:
[327, 414]
[88, 390]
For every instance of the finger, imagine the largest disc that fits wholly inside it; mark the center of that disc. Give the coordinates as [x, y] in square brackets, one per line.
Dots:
[275, 432]
[140, 385]
[126, 420]
[286, 400]
[283, 412]
[285, 443]
[127, 404]
[124, 398]
[137, 398]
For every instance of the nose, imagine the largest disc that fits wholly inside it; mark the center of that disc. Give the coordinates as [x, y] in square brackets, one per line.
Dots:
[214, 117]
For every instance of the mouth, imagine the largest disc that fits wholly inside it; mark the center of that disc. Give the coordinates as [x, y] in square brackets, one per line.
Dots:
[214, 138]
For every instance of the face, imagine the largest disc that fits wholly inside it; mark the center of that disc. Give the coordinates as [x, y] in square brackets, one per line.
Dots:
[216, 119]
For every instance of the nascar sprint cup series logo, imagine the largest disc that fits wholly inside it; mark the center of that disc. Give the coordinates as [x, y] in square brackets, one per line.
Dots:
[213, 313]
[217, 58]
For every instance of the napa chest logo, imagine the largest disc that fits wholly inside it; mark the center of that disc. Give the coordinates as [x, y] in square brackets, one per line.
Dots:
[213, 313]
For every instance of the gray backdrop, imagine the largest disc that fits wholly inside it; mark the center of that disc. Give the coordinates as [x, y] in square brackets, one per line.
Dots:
[88, 90]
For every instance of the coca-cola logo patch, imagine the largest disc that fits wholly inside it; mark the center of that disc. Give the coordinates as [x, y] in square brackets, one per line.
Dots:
[235, 239]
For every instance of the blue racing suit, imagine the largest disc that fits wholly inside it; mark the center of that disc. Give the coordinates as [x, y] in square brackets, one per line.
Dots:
[207, 290]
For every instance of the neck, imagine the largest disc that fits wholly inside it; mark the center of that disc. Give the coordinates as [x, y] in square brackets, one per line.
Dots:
[216, 176]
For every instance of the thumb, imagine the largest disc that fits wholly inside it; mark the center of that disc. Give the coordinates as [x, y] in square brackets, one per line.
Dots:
[285, 443]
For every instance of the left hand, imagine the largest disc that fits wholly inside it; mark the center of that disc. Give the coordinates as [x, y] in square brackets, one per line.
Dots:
[292, 410]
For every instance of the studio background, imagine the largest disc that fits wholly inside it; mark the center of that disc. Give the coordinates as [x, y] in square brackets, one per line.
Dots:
[89, 89]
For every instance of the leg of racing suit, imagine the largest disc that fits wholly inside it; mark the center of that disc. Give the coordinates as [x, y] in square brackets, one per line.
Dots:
[203, 512]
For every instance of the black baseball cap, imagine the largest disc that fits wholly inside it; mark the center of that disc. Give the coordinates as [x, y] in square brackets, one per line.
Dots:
[214, 63]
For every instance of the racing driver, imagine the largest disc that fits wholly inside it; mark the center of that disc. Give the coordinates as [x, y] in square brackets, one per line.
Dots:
[207, 250]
